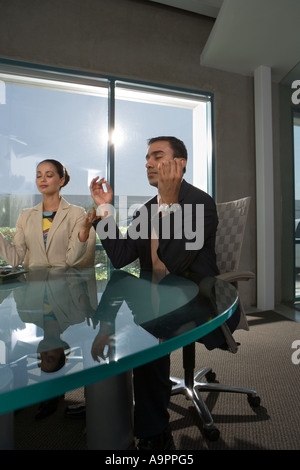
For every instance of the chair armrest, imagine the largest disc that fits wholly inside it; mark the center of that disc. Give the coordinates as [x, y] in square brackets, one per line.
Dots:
[235, 276]
[232, 345]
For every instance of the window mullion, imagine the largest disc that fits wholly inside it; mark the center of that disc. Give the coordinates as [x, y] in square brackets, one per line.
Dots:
[111, 128]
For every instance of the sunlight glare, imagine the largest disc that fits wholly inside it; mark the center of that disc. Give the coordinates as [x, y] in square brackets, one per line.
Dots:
[117, 137]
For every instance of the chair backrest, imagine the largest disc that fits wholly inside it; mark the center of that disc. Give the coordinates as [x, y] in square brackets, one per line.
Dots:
[230, 233]
[229, 239]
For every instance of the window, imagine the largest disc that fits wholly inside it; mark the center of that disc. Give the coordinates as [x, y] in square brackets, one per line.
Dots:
[94, 126]
[296, 129]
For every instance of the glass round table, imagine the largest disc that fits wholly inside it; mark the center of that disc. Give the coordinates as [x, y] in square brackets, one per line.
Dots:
[61, 329]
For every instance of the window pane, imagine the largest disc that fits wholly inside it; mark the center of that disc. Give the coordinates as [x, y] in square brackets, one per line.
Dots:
[142, 114]
[297, 201]
[46, 114]
[41, 118]
[44, 119]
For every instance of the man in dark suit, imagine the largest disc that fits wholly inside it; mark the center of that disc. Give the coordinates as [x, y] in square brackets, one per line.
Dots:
[174, 233]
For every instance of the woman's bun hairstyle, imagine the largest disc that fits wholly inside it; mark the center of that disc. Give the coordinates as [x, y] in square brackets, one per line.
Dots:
[61, 169]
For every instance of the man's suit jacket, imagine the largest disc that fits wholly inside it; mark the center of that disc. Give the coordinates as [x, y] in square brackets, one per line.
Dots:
[63, 247]
[190, 263]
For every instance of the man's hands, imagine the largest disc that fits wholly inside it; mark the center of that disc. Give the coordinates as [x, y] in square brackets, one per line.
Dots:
[169, 180]
[103, 343]
[97, 191]
[102, 198]
[101, 347]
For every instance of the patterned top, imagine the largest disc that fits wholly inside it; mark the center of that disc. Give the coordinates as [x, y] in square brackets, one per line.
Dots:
[47, 222]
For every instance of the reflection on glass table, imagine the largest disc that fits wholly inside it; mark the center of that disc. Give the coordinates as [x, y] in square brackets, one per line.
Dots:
[61, 329]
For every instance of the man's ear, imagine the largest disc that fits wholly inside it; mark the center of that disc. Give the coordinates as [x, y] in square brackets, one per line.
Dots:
[183, 161]
[183, 165]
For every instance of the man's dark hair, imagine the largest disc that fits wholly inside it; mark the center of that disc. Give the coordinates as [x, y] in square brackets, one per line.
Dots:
[177, 145]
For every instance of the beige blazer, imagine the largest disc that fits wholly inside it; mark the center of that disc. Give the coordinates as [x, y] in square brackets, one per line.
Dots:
[64, 289]
[63, 247]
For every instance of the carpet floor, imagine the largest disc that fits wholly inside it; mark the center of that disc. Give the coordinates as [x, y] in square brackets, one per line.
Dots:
[263, 362]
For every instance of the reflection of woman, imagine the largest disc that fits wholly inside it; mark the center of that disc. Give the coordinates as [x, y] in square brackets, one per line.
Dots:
[52, 354]
[54, 359]
[53, 300]
[53, 233]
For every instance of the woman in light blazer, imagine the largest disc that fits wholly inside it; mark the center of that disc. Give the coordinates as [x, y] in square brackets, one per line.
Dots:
[53, 233]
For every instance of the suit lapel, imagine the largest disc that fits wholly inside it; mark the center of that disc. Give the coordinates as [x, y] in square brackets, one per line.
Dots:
[59, 217]
[37, 222]
[183, 191]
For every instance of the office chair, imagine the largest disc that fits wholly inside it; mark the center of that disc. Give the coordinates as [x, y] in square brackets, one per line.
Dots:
[229, 238]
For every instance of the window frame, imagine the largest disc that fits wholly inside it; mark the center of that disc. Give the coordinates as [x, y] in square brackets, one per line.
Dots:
[90, 78]
[75, 77]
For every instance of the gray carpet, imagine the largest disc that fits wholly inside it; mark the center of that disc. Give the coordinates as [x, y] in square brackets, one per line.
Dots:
[263, 362]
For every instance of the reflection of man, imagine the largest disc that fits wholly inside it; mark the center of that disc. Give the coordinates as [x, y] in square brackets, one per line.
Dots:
[165, 163]
[174, 307]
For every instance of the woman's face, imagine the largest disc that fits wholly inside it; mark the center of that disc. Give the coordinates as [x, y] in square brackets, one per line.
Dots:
[48, 180]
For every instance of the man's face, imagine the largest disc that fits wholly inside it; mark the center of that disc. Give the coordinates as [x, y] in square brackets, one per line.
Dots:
[158, 152]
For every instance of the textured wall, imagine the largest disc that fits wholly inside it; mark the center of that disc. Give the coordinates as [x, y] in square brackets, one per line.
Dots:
[146, 41]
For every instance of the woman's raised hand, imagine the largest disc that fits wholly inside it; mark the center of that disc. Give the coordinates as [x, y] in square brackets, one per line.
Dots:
[86, 225]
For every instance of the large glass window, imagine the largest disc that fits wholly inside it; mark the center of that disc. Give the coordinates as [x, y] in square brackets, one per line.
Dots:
[297, 201]
[143, 112]
[44, 118]
[94, 126]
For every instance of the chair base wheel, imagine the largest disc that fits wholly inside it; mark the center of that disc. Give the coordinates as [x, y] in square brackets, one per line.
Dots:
[254, 402]
[212, 434]
[210, 376]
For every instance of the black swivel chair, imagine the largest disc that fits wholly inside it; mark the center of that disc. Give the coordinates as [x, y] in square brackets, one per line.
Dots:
[232, 220]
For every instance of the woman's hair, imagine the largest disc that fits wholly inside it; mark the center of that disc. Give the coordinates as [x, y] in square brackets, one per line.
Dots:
[60, 347]
[61, 169]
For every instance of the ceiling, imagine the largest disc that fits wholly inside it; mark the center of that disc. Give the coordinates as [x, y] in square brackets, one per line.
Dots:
[203, 7]
[249, 33]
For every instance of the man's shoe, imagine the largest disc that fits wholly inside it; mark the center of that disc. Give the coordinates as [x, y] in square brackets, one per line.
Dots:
[162, 441]
[47, 408]
[75, 411]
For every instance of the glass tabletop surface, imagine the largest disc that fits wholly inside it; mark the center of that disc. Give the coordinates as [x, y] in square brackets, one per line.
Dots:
[61, 329]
